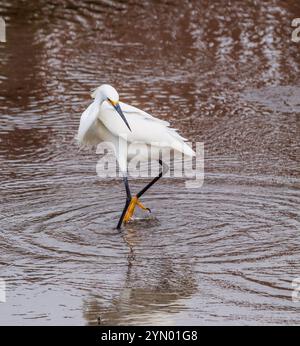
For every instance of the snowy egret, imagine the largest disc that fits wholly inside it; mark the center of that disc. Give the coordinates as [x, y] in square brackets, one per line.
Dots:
[108, 120]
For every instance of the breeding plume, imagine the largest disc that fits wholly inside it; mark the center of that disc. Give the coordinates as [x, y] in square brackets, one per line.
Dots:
[133, 134]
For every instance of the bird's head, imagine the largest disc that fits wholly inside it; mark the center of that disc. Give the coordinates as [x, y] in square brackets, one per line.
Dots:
[106, 92]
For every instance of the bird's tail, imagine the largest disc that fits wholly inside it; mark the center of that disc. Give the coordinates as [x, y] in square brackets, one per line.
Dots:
[183, 147]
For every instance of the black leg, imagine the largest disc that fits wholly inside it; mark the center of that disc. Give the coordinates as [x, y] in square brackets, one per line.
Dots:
[161, 173]
[138, 195]
[128, 199]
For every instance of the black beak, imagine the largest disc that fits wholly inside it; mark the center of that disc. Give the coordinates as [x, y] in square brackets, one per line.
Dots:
[119, 110]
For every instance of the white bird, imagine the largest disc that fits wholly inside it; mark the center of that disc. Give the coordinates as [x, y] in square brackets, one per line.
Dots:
[124, 126]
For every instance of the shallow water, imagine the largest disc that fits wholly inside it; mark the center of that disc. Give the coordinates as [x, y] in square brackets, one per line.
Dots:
[223, 74]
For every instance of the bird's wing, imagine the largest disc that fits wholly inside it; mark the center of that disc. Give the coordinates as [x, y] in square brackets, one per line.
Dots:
[87, 120]
[127, 109]
[145, 128]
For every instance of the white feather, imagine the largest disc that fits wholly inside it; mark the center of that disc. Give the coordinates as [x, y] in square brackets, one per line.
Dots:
[101, 122]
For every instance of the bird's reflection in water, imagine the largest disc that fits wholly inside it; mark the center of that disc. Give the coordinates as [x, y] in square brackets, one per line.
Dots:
[130, 235]
[151, 300]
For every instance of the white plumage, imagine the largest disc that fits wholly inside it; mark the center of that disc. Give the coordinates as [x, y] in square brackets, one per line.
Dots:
[147, 135]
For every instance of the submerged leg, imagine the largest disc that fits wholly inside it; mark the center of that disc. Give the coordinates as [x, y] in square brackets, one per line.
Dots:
[131, 208]
[128, 199]
[135, 200]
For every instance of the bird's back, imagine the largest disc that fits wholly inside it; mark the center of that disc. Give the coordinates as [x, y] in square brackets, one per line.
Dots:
[145, 128]
[102, 123]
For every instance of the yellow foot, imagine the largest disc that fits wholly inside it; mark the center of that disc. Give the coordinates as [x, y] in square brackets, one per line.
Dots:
[130, 211]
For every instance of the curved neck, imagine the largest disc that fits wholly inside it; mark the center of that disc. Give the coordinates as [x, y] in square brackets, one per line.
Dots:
[99, 99]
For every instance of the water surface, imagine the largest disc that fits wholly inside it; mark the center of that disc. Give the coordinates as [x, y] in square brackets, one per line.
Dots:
[223, 73]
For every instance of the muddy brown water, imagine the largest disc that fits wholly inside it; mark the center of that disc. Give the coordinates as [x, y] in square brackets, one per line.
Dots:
[225, 73]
